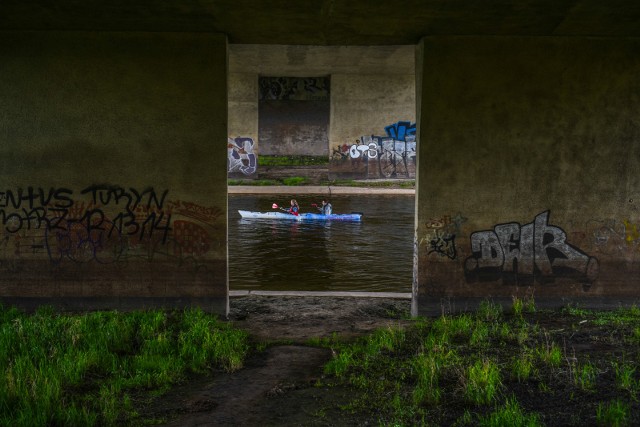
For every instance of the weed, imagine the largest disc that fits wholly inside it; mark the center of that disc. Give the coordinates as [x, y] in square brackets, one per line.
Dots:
[575, 310]
[294, 180]
[529, 304]
[522, 333]
[517, 306]
[522, 366]
[465, 419]
[613, 414]
[482, 381]
[426, 369]
[510, 414]
[480, 334]
[504, 330]
[458, 325]
[550, 353]
[384, 340]
[489, 311]
[625, 377]
[292, 160]
[341, 362]
[585, 376]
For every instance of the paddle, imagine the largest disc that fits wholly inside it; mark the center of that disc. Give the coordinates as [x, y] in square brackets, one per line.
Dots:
[275, 206]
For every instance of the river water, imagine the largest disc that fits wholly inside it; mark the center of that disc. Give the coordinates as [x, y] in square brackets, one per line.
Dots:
[374, 255]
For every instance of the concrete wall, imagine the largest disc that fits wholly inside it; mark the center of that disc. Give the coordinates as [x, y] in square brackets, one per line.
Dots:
[528, 182]
[366, 104]
[371, 87]
[362, 106]
[113, 186]
[243, 105]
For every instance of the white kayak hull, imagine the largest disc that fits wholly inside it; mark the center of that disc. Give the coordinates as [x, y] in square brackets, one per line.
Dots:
[301, 217]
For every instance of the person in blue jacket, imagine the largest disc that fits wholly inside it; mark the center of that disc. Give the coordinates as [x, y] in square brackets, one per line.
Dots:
[326, 208]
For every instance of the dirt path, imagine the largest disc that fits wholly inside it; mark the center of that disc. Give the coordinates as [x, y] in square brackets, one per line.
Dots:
[277, 387]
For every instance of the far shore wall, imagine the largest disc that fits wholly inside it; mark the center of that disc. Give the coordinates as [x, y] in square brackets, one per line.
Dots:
[528, 181]
[371, 88]
[113, 191]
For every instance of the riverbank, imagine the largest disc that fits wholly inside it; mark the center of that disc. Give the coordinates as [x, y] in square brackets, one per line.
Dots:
[315, 189]
[336, 361]
[322, 361]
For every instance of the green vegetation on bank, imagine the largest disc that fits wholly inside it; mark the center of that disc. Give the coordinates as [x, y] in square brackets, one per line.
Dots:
[86, 369]
[521, 367]
[299, 180]
[495, 368]
[292, 160]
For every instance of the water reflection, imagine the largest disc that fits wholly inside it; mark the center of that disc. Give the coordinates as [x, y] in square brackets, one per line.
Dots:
[372, 255]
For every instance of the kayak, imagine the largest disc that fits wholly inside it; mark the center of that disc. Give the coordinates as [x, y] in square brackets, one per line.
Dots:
[303, 216]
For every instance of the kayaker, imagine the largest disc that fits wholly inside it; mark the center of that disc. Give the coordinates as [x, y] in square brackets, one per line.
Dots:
[326, 208]
[294, 209]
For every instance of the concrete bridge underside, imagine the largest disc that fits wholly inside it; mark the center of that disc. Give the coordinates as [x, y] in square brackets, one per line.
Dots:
[114, 186]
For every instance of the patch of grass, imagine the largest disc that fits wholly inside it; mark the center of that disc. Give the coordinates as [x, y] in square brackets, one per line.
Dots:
[453, 369]
[294, 180]
[626, 377]
[482, 381]
[510, 414]
[292, 160]
[411, 183]
[81, 369]
[489, 311]
[550, 353]
[584, 376]
[426, 368]
[575, 310]
[256, 182]
[522, 366]
[613, 414]
[480, 334]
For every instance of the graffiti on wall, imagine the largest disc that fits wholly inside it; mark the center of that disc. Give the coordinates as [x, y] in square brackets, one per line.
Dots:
[402, 131]
[441, 235]
[395, 152]
[294, 88]
[240, 156]
[525, 253]
[101, 223]
[613, 237]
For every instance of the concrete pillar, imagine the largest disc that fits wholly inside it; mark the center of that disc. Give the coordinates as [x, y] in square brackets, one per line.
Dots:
[528, 158]
[113, 170]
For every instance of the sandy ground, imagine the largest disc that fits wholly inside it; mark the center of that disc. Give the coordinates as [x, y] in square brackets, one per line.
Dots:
[277, 386]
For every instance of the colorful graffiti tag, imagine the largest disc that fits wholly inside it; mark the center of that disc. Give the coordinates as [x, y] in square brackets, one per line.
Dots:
[240, 156]
[394, 152]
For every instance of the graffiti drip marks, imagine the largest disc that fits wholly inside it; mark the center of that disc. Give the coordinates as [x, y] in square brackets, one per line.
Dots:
[524, 254]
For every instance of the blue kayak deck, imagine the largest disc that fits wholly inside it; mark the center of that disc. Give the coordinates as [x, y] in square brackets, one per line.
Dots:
[301, 217]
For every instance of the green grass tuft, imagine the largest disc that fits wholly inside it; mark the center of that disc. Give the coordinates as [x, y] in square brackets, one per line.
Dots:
[81, 369]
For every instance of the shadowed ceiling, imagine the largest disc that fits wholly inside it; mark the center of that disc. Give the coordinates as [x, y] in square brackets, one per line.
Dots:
[331, 22]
